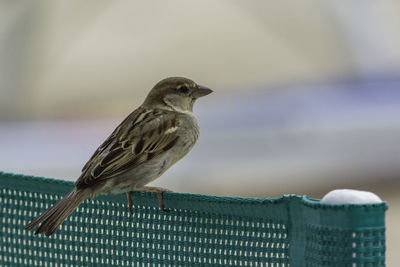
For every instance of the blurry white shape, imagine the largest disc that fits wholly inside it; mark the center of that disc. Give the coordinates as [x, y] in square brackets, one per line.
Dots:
[350, 196]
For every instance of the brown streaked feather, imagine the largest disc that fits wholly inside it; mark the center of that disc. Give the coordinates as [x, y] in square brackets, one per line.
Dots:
[133, 142]
[56, 214]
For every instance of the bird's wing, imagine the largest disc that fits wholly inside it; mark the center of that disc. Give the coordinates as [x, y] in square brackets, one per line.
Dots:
[143, 135]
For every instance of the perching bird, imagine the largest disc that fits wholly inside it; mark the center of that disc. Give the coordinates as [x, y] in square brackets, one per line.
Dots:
[149, 141]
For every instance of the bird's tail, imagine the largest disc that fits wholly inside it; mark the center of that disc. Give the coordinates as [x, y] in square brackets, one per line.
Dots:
[56, 214]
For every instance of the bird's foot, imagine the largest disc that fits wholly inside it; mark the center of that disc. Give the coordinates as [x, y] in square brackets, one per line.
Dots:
[128, 195]
[159, 191]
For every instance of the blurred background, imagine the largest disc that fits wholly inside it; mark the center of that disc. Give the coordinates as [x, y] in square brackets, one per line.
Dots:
[306, 94]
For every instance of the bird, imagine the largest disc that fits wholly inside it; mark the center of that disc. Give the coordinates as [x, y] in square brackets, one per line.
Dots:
[144, 145]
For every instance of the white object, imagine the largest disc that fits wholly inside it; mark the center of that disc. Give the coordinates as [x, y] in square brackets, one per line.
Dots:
[350, 196]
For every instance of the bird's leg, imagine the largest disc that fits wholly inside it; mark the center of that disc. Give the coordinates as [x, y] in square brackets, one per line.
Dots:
[159, 191]
[128, 195]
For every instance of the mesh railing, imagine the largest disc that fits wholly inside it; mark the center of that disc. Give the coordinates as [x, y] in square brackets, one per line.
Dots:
[199, 230]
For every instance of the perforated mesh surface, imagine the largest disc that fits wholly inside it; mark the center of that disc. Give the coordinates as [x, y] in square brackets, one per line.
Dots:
[199, 230]
[361, 247]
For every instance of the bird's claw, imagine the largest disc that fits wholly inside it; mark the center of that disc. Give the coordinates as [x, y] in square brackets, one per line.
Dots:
[130, 204]
[160, 200]
[158, 190]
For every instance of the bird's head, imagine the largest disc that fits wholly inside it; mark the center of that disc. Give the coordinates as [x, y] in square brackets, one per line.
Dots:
[176, 93]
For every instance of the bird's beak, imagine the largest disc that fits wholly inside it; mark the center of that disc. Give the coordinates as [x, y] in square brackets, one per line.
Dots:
[201, 91]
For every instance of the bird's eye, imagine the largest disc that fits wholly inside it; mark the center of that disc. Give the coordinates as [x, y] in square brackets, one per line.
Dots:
[183, 89]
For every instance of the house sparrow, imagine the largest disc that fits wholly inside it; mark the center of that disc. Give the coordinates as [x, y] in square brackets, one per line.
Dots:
[149, 141]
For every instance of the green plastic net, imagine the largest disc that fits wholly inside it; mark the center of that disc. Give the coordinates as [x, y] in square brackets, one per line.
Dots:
[198, 231]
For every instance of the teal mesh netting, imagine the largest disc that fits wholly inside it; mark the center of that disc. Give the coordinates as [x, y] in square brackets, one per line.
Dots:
[199, 230]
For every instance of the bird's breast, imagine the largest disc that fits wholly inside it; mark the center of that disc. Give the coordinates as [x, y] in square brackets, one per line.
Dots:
[188, 133]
